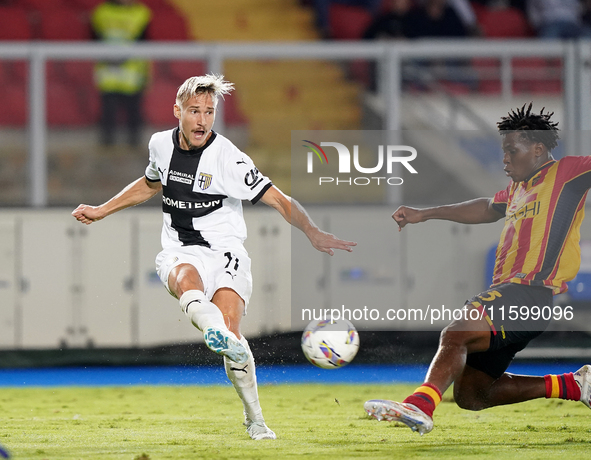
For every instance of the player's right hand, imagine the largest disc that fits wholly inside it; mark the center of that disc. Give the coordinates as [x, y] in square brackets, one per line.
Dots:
[406, 215]
[87, 214]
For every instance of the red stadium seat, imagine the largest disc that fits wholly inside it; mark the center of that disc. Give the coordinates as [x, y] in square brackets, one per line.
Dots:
[347, 22]
[80, 72]
[487, 72]
[232, 113]
[361, 71]
[537, 75]
[86, 5]
[504, 23]
[63, 108]
[54, 71]
[42, 5]
[4, 73]
[63, 24]
[90, 105]
[181, 70]
[478, 8]
[159, 102]
[18, 70]
[15, 24]
[167, 25]
[13, 100]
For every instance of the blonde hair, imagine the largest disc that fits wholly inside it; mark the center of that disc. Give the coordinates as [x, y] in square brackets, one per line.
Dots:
[212, 84]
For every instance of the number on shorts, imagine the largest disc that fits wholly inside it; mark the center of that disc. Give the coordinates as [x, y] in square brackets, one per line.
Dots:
[230, 258]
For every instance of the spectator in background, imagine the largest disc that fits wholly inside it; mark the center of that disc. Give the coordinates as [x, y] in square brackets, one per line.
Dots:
[465, 12]
[435, 18]
[121, 82]
[502, 4]
[586, 14]
[391, 23]
[322, 8]
[557, 19]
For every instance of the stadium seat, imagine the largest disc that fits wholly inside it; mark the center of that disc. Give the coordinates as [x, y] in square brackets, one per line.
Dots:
[4, 73]
[18, 70]
[80, 72]
[54, 71]
[15, 24]
[13, 100]
[478, 8]
[76, 73]
[86, 5]
[63, 24]
[232, 113]
[487, 71]
[537, 75]
[181, 70]
[347, 22]
[361, 70]
[63, 108]
[90, 105]
[167, 25]
[504, 23]
[159, 102]
[42, 5]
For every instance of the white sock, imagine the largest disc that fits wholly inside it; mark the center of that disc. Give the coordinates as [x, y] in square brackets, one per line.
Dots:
[244, 379]
[201, 312]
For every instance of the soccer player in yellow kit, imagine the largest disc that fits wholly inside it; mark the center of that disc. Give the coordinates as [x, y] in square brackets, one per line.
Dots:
[543, 207]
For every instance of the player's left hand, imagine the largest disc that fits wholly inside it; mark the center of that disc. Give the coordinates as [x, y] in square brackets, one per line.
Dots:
[326, 242]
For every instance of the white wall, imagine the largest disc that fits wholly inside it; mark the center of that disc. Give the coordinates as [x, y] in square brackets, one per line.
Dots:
[62, 283]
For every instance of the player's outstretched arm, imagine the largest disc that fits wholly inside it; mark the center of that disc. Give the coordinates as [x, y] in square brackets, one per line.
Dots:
[478, 211]
[135, 193]
[296, 215]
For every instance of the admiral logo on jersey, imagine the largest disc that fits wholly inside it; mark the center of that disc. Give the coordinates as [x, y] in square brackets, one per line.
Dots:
[181, 177]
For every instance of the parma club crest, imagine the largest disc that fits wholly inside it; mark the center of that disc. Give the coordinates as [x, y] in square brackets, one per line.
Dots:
[204, 181]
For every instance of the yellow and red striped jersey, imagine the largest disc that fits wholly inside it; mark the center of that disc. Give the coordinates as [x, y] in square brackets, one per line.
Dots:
[539, 244]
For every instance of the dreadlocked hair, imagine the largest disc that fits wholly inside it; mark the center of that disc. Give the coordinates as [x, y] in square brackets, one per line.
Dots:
[535, 127]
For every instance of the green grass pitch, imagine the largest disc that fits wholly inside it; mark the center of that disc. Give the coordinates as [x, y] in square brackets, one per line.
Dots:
[311, 421]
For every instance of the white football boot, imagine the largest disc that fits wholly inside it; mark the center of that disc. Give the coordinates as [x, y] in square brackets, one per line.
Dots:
[392, 411]
[225, 343]
[583, 379]
[259, 431]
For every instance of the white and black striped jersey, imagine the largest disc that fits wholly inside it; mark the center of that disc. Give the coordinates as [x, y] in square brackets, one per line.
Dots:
[203, 189]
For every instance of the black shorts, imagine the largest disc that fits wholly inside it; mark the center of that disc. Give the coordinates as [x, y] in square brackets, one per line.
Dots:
[511, 328]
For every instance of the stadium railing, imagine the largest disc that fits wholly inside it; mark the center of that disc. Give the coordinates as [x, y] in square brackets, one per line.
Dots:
[389, 57]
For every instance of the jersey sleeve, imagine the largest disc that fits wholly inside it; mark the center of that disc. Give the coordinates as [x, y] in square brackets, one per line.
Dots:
[578, 170]
[152, 169]
[500, 200]
[243, 180]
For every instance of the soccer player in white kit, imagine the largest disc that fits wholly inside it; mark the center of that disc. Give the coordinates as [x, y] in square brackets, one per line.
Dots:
[203, 263]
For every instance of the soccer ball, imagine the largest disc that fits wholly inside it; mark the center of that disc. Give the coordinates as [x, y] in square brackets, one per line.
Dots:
[330, 343]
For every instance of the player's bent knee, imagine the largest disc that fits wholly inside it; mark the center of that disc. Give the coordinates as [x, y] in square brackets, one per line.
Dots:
[469, 398]
[470, 404]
